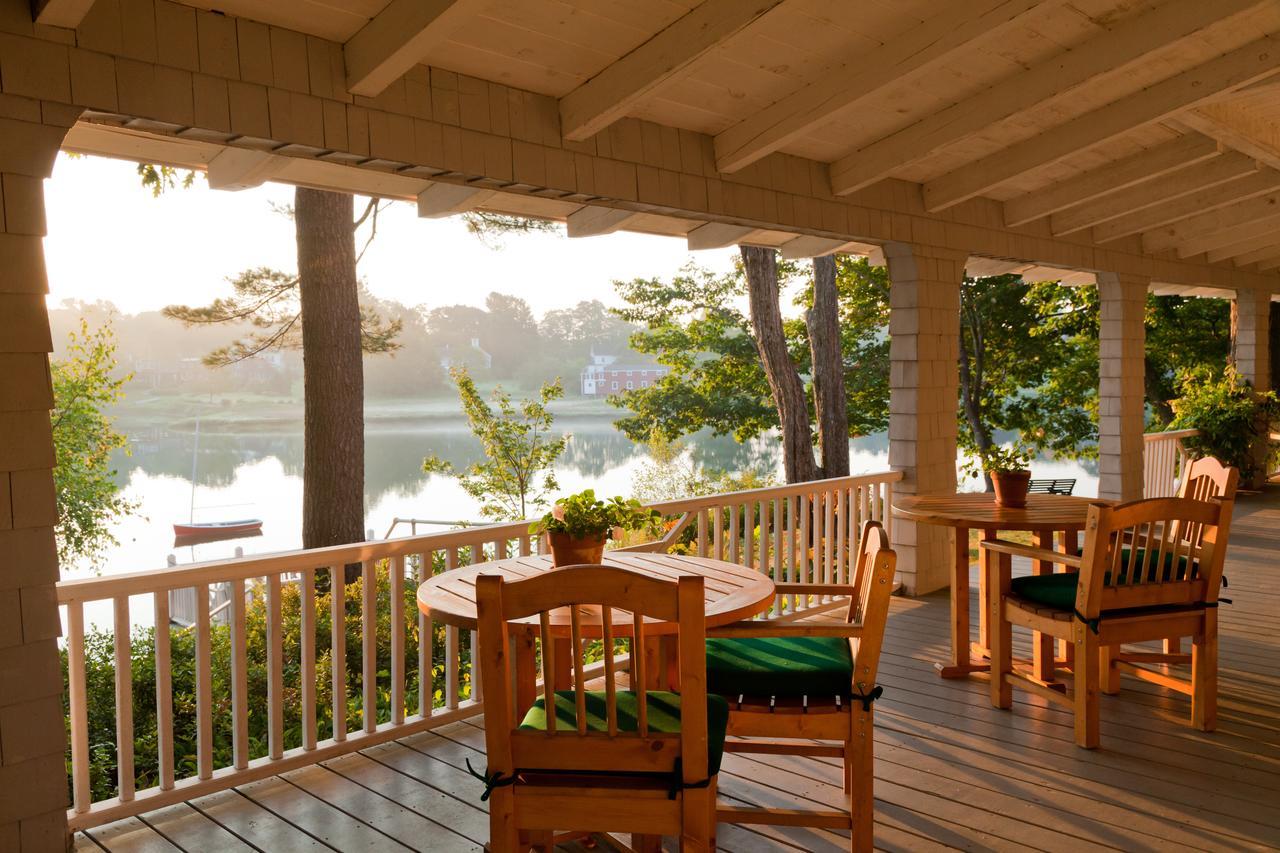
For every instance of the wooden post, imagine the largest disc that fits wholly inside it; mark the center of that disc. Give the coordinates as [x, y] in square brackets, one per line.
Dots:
[924, 322]
[1121, 404]
[1250, 350]
[33, 782]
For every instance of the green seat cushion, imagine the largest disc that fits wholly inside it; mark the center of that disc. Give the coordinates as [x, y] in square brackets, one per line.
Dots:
[1059, 590]
[663, 716]
[779, 666]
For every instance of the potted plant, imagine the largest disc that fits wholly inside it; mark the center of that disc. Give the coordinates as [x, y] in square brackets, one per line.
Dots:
[578, 526]
[1010, 477]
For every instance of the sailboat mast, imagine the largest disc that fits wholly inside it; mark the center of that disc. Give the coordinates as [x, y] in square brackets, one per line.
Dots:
[195, 451]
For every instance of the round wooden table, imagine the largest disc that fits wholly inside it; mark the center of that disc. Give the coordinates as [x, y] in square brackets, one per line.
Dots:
[732, 593]
[1043, 516]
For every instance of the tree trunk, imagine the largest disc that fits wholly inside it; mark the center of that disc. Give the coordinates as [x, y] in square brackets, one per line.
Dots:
[823, 321]
[333, 407]
[971, 368]
[784, 381]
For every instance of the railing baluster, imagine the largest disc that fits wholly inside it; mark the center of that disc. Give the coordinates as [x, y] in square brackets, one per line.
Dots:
[842, 527]
[164, 692]
[735, 543]
[275, 669]
[452, 660]
[763, 515]
[396, 587]
[702, 533]
[717, 531]
[789, 541]
[777, 553]
[204, 686]
[369, 644]
[307, 657]
[828, 538]
[124, 699]
[239, 680]
[338, 649]
[78, 701]
[426, 644]
[805, 540]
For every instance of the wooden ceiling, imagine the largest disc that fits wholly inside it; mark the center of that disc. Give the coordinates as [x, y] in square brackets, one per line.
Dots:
[1108, 118]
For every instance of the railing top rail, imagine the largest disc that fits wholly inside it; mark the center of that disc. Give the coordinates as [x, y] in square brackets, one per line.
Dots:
[259, 565]
[1172, 434]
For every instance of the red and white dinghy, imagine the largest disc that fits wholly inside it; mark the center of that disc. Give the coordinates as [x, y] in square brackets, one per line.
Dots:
[219, 528]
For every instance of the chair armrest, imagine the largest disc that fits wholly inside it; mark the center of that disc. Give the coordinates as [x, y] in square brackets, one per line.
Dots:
[765, 628]
[815, 589]
[1000, 546]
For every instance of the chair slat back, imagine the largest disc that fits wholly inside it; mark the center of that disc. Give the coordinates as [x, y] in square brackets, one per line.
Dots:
[1150, 553]
[574, 607]
[869, 606]
[1207, 478]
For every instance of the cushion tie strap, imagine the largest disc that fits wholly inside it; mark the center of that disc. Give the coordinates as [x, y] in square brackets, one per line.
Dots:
[678, 784]
[867, 698]
[497, 780]
[1092, 623]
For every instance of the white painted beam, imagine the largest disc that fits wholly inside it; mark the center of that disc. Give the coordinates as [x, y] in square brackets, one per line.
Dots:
[1215, 198]
[610, 94]
[1127, 43]
[595, 221]
[1182, 91]
[1127, 172]
[980, 267]
[717, 235]
[1219, 170]
[241, 169]
[946, 30]
[805, 246]
[398, 38]
[441, 200]
[61, 13]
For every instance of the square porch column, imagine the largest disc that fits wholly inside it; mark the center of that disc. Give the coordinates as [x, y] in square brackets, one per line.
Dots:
[924, 351]
[1121, 397]
[1251, 353]
[33, 781]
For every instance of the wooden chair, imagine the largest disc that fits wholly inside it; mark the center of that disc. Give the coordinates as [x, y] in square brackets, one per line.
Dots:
[608, 760]
[1204, 478]
[1149, 570]
[789, 684]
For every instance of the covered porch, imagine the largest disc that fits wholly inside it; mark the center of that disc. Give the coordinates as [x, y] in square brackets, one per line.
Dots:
[1127, 146]
[951, 771]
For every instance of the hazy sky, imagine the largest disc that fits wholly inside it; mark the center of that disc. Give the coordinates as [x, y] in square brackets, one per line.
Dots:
[110, 240]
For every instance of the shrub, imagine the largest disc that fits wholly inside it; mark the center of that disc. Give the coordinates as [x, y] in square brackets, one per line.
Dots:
[1230, 415]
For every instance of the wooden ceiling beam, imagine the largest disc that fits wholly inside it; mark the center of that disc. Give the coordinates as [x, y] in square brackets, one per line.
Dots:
[241, 169]
[805, 246]
[1194, 230]
[398, 38]
[717, 235]
[1129, 42]
[1130, 171]
[949, 29]
[595, 221]
[1244, 65]
[1183, 182]
[440, 200]
[1224, 123]
[1259, 183]
[60, 13]
[1257, 256]
[1267, 242]
[1269, 264]
[610, 94]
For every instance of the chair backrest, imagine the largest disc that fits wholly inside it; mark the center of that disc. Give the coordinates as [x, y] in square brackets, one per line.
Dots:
[869, 606]
[1207, 478]
[1152, 553]
[607, 603]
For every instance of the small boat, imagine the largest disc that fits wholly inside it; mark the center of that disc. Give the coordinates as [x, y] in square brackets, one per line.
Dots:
[205, 528]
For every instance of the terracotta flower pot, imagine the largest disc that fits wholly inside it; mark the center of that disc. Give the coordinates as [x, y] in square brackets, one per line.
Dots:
[567, 550]
[1011, 488]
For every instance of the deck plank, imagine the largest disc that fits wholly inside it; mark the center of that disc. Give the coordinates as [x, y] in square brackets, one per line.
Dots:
[250, 821]
[131, 835]
[194, 830]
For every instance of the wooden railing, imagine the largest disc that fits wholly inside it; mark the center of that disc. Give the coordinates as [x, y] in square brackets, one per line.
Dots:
[1163, 460]
[801, 534]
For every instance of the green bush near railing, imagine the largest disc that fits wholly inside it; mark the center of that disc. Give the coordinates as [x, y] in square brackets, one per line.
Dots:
[99, 651]
[1230, 415]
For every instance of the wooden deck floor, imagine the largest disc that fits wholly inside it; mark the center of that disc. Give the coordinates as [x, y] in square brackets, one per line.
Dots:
[951, 771]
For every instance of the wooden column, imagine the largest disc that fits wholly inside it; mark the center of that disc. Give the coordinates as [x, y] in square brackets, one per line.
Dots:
[924, 328]
[1121, 401]
[1251, 352]
[33, 781]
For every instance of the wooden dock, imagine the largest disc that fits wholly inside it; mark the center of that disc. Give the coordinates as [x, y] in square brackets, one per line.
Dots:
[951, 771]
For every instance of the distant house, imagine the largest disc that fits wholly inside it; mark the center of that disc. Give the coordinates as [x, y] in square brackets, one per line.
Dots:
[471, 357]
[608, 374]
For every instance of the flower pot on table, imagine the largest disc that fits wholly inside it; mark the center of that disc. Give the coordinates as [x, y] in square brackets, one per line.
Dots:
[569, 550]
[1011, 488]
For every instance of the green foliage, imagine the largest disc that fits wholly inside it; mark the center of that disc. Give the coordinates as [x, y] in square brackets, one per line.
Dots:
[519, 450]
[1000, 459]
[89, 501]
[268, 299]
[490, 228]
[1183, 334]
[160, 179]
[1230, 415]
[584, 515]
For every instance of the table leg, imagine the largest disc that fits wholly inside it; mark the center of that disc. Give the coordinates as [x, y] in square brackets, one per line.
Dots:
[1042, 645]
[984, 630]
[962, 662]
[1070, 545]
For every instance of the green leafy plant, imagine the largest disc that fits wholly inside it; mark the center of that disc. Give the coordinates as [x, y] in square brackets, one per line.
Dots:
[1229, 413]
[1000, 459]
[585, 516]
